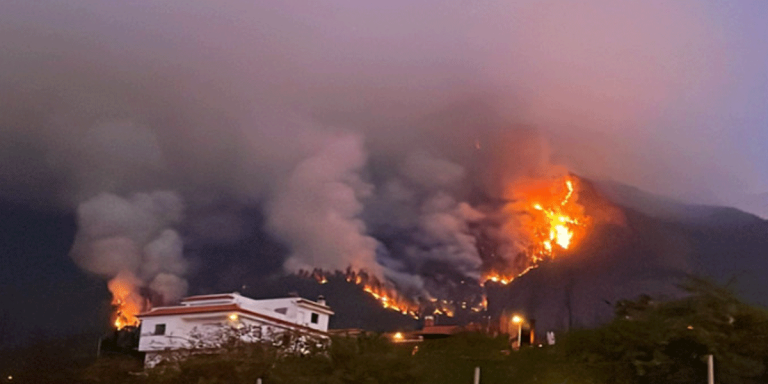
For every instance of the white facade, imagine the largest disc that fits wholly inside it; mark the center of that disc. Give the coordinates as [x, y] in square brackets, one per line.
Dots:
[199, 320]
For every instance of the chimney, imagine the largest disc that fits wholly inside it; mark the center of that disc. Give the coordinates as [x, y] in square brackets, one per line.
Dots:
[429, 321]
[321, 300]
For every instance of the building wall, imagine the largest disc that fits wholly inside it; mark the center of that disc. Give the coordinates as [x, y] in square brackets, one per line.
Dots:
[207, 330]
[296, 311]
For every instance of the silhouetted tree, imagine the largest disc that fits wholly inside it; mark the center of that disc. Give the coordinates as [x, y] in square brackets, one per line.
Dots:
[667, 341]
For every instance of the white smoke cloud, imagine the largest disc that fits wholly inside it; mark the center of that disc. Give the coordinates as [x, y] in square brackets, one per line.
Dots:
[163, 255]
[133, 237]
[171, 287]
[316, 210]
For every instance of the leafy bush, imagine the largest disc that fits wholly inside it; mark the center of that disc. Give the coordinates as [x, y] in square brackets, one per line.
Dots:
[667, 341]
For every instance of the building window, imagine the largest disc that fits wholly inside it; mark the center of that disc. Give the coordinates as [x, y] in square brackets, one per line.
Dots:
[315, 318]
[159, 329]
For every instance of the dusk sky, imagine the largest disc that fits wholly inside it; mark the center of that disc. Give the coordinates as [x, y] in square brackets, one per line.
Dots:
[362, 133]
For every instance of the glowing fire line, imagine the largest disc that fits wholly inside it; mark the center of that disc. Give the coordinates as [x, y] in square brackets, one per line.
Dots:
[386, 295]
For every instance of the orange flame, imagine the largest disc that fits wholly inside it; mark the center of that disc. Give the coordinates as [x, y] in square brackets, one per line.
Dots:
[385, 294]
[127, 302]
[554, 220]
[319, 276]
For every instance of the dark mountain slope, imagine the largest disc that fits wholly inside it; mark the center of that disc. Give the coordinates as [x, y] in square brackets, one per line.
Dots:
[654, 247]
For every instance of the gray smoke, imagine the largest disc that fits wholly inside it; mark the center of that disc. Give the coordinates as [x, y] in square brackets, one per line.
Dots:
[369, 134]
[133, 237]
[317, 208]
[443, 233]
[427, 228]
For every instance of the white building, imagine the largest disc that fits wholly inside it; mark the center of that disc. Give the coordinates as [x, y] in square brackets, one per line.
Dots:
[199, 320]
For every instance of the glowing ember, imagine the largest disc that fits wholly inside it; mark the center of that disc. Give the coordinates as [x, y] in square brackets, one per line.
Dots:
[319, 276]
[553, 222]
[482, 306]
[127, 302]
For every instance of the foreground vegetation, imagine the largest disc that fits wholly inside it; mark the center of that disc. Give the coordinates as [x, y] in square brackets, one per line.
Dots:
[648, 342]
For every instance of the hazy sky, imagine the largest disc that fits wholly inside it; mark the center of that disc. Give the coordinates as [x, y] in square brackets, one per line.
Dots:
[351, 123]
[668, 97]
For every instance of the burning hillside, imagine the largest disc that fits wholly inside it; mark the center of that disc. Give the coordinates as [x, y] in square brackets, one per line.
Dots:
[576, 255]
[542, 220]
[385, 293]
[545, 219]
[206, 149]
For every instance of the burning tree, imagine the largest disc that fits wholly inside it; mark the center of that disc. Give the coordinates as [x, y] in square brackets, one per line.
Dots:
[128, 303]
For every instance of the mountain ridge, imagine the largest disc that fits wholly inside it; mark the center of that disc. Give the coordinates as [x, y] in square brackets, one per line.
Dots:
[654, 248]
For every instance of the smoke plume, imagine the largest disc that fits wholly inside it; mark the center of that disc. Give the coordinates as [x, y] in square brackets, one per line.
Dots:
[386, 136]
[317, 210]
[132, 241]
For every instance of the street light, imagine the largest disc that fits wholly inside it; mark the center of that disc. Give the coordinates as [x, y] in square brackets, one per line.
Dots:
[519, 321]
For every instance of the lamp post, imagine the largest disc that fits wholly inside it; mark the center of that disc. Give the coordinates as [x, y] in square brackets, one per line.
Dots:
[519, 321]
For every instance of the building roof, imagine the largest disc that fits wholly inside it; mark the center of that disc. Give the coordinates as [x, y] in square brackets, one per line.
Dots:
[235, 296]
[186, 309]
[316, 306]
[209, 297]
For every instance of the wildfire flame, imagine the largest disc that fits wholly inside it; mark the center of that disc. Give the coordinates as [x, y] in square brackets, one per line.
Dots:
[127, 302]
[556, 220]
[384, 293]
